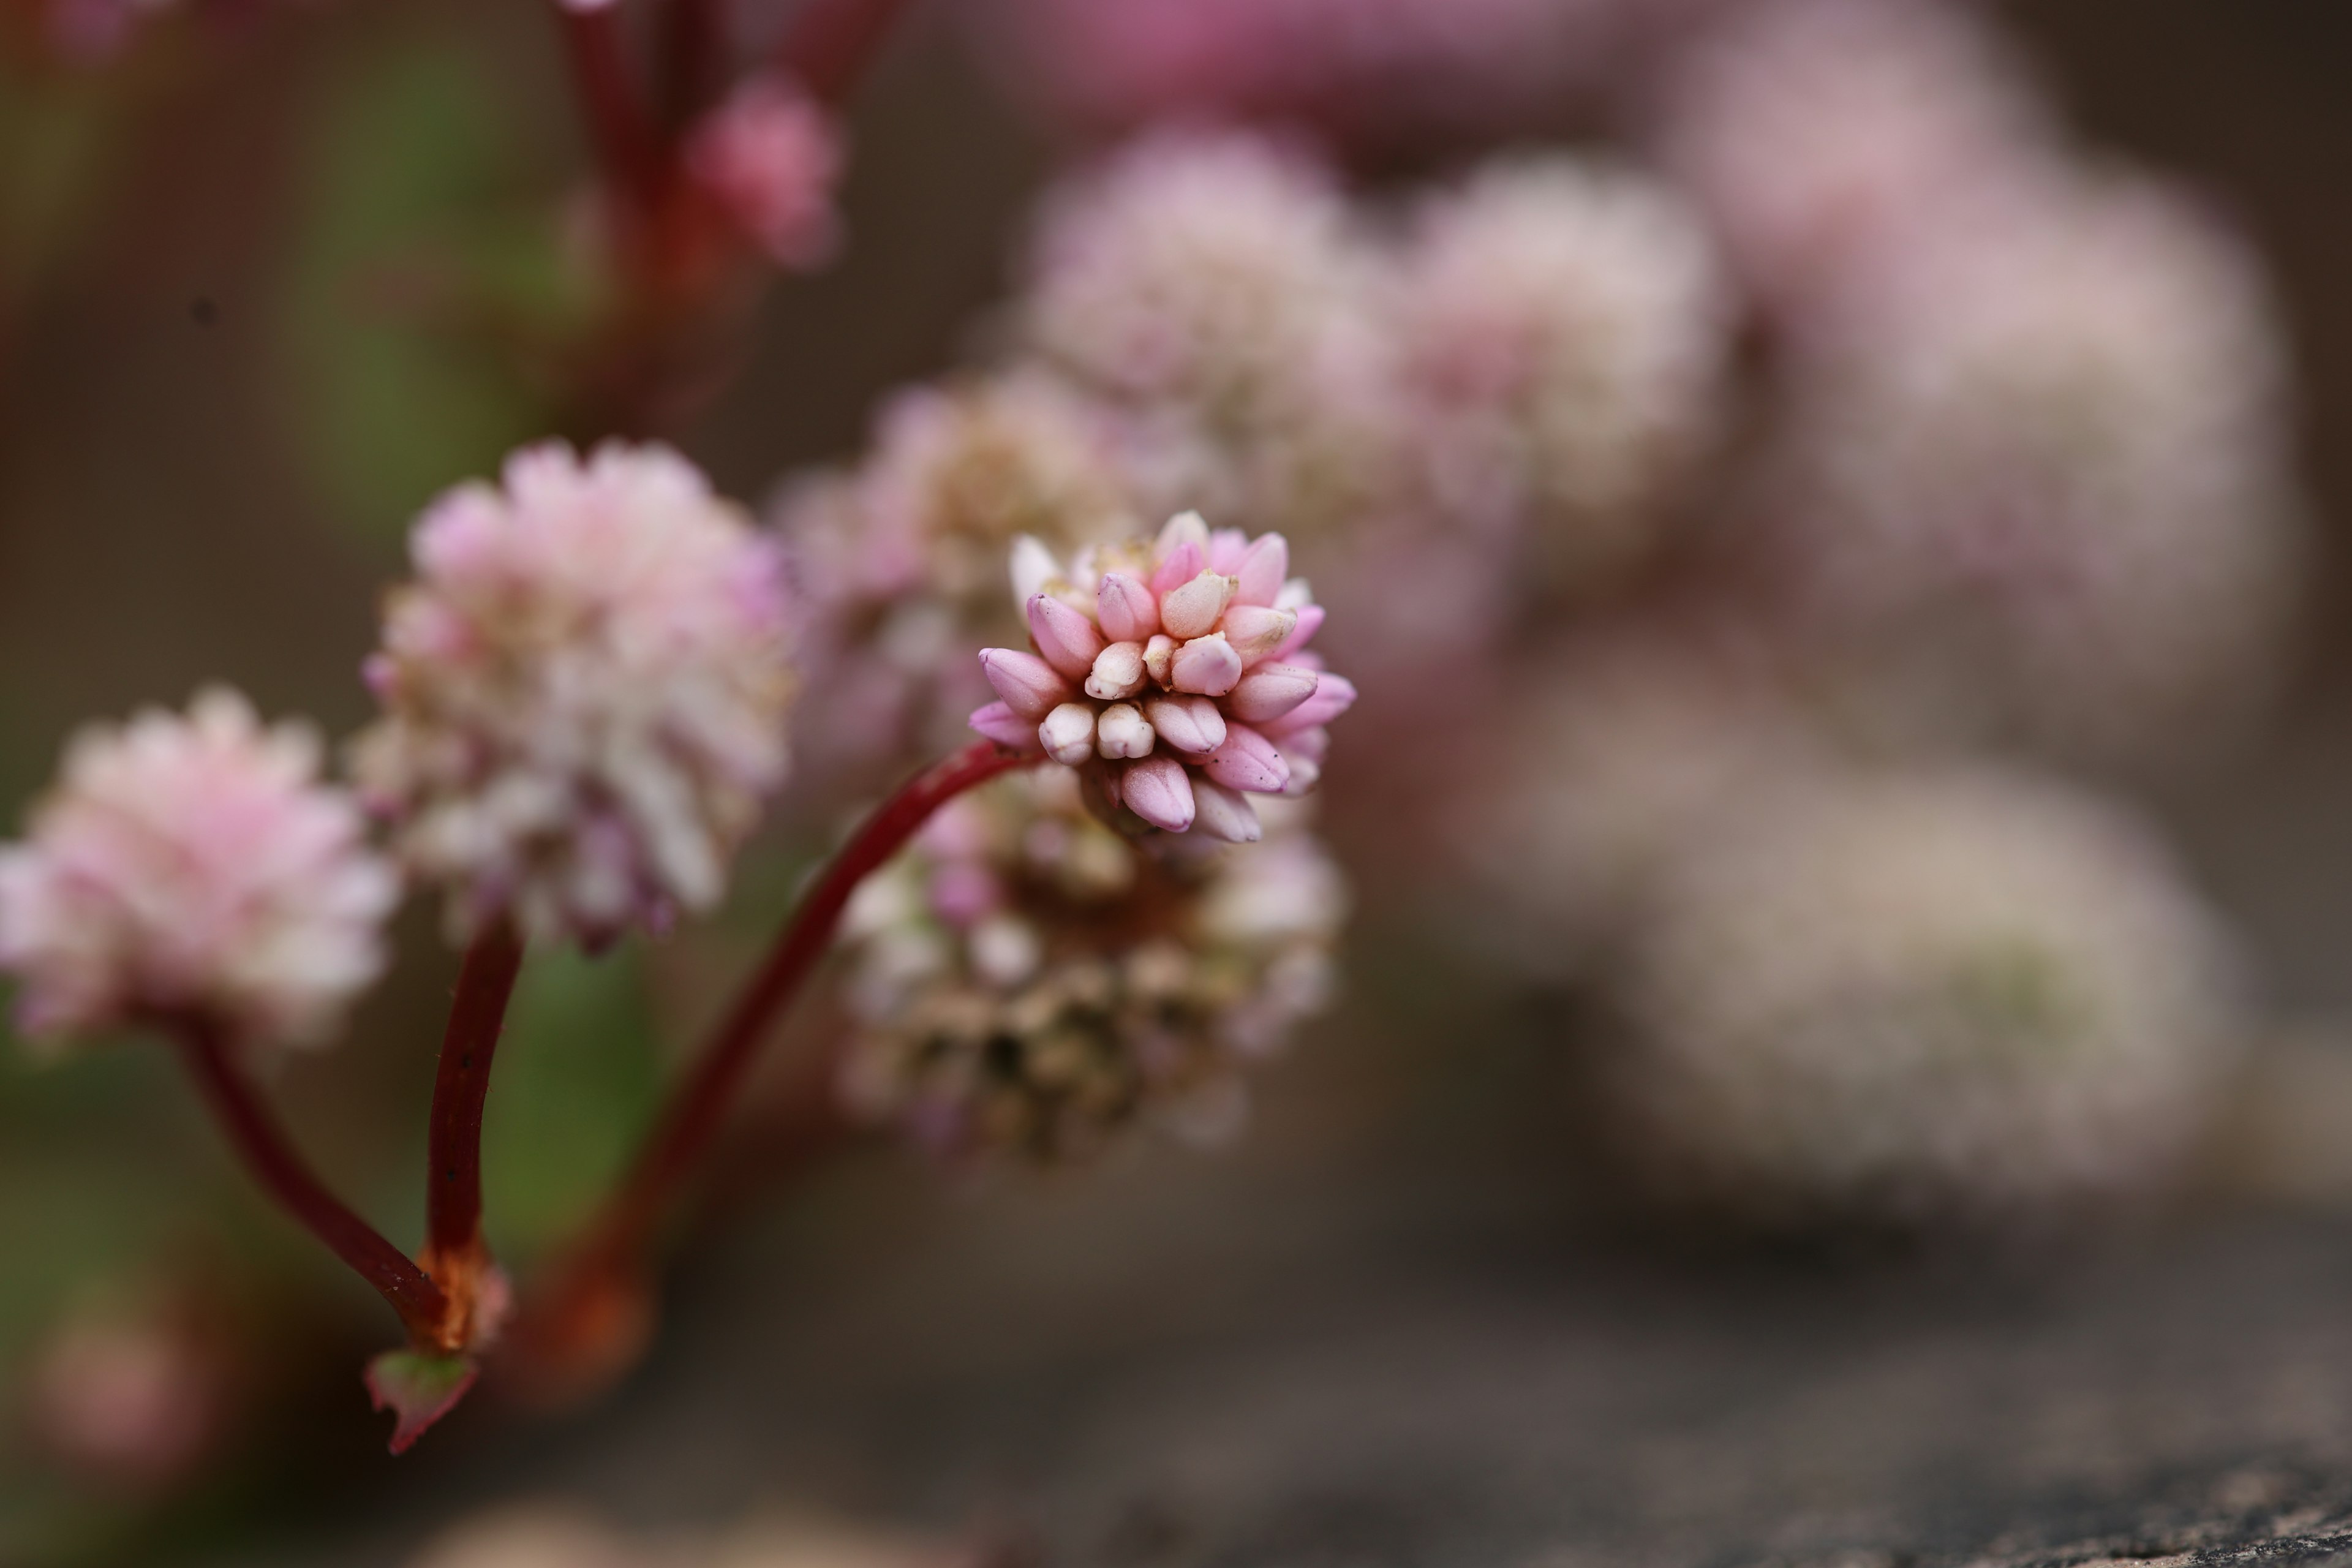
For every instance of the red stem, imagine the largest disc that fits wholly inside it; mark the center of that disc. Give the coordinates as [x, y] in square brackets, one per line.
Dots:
[694, 1112]
[453, 1203]
[629, 147]
[831, 42]
[274, 1162]
[693, 58]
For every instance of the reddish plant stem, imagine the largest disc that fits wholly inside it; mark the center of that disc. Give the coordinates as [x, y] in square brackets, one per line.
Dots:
[477, 1012]
[693, 58]
[829, 43]
[273, 1161]
[684, 1131]
[629, 146]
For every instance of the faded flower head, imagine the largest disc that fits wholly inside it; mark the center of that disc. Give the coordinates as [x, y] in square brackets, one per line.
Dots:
[1204, 266]
[585, 692]
[194, 867]
[1031, 982]
[769, 157]
[1562, 337]
[1812, 131]
[899, 563]
[1172, 676]
[2034, 466]
[1950, 995]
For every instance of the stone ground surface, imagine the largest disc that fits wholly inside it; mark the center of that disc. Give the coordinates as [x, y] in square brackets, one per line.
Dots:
[1233, 1365]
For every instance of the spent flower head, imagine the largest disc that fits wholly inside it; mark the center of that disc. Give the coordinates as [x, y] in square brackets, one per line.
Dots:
[1031, 983]
[1954, 994]
[194, 867]
[585, 692]
[1173, 676]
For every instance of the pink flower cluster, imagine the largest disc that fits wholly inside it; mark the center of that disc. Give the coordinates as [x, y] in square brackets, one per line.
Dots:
[194, 866]
[770, 158]
[1173, 675]
[585, 692]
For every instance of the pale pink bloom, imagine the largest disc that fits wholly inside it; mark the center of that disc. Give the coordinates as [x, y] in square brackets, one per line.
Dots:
[770, 158]
[585, 692]
[1201, 266]
[194, 866]
[2031, 476]
[1812, 131]
[1168, 671]
[1562, 331]
[1031, 983]
[1377, 71]
[1917, 997]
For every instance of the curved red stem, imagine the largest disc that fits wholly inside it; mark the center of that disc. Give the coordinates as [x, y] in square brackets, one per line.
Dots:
[461, 1087]
[273, 1161]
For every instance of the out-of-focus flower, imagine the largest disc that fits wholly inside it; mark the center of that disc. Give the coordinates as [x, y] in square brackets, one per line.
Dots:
[1367, 70]
[1031, 982]
[900, 563]
[1627, 744]
[555, 1535]
[585, 692]
[543, 1535]
[770, 158]
[1172, 676]
[133, 1394]
[1205, 266]
[1958, 995]
[1814, 131]
[196, 867]
[2033, 472]
[1564, 333]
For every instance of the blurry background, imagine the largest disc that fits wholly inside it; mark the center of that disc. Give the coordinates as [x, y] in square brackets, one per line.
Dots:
[1410, 1317]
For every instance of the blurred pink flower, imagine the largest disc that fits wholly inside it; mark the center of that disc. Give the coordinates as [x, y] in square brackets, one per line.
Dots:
[1173, 676]
[771, 157]
[585, 692]
[194, 865]
[133, 1394]
[1811, 131]
[1562, 332]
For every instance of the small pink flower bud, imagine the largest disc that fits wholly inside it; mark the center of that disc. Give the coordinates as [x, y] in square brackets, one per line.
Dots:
[1248, 761]
[1225, 814]
[1190, 724]
[1186, 528]
[1265, 567]
[1334, 695]
[1121, 731]
[1129, 611]
[1068, 734]
[1194, 609]
[1255, 631]
[1065, 637]
[1207, 666]
[1269, 692]
[1310, 621]
[1033, 567]
[1188, 561]
[1030, 686]
[1001, 724]
[1157, 789]
[1158, 655]
[1117, 672]
[1226, 548]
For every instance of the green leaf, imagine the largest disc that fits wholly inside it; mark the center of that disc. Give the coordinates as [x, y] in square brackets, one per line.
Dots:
[418, 1389]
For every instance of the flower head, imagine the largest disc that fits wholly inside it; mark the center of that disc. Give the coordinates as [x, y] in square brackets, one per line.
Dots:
[769, 157]
[1946, 995]
[1563, 337]
[585, 692]
[194, 866]
[1173, 676]
[1031, 982]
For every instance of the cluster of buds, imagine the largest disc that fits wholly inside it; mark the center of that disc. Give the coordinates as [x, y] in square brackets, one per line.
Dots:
[1172, 676]
[194, 868]
[1031, 983]
[584, 693]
